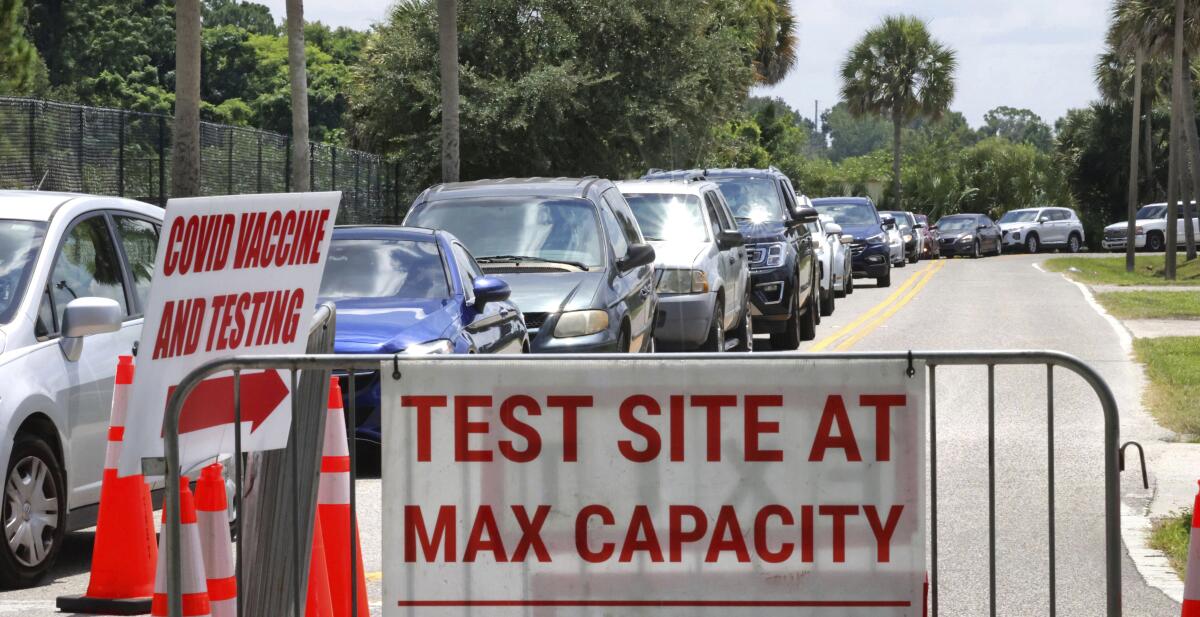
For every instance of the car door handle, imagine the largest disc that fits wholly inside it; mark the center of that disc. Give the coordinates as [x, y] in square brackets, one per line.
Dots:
[645, 291]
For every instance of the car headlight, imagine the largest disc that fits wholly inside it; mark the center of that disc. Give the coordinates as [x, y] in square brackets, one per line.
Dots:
[439, 346]
[1138, 230]
[675, 281]
[907, 238]
[580, 323]
[876, 239]
[966, 238]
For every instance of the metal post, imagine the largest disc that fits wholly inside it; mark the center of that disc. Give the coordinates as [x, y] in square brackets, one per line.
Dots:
[312, 166]
[933, 492]
[1050, 481]
[352, 438]
[259, 183]
[229, 184]
[162, 173]
[991, 389]
[396, 189]
[333, 169]
[237, 486]
[121, 154]
[33, 175]
[287, 165]
[79, 152]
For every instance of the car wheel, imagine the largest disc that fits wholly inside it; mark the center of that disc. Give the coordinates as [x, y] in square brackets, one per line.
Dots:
[745, 330]
[1155, 242]
[623, 341]
[1031, 244]
[790, 337]
[885, 280]
[35, 519]
[849, 281]
[901, 263]
[808, 323]
[976, 252]
[915, 258]
[716, 330]
[1073, 243]
[827, 304]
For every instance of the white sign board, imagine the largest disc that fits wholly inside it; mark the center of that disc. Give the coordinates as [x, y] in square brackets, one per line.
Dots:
[234, 275]
[653, 487]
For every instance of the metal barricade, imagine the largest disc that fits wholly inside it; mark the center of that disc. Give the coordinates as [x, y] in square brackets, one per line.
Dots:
[932, 360]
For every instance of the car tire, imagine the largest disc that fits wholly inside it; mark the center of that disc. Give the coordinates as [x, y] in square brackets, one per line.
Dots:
[789, 339]
[1074, 243]
[849, 281]
[1155, 242]
[901, 263]
[1032, 244]
[716, 330]
[43, 499]
[915, 258]
[623, 342]
[885, 280]
[808, 323]
[827, 304]
[745, 329]
[978, 251]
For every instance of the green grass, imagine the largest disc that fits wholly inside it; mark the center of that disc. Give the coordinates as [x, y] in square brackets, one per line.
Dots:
[1152, 304]
[1170, 535]
[1111, 270]
[1173, 367]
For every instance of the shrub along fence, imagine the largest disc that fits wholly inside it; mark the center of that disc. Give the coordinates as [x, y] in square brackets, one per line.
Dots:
[66, 147]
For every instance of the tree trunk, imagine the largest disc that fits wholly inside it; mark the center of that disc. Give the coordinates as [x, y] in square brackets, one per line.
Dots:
[896, 188]
[1151, 179]
[448, 66]
[1175, 166]
[1131, 228]
[298, 75]
[185, 150]
[1188, 113]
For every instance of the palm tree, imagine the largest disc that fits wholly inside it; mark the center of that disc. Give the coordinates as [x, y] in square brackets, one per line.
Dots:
[1115, 76]
[298, 76]
[899, 70]
[775, 47]
[185, 150]
[448, 66]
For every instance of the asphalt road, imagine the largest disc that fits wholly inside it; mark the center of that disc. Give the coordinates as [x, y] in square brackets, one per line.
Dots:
[994, 303]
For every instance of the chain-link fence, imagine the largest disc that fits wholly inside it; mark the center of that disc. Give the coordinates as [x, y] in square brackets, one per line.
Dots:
[64, 147]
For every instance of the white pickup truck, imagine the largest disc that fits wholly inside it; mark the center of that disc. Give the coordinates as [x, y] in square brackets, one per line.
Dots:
[1151, 222]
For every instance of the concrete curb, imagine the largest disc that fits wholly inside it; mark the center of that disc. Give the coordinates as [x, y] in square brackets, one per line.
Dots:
[1151, 564]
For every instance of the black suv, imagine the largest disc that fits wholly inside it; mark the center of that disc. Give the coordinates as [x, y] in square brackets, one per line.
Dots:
[783, 267]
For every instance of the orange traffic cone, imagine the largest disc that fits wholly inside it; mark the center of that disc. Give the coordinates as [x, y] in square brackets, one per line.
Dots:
[333, 508]
[1191, 586]
[195, 587]
[212, 513]
[318, 603]
[124, 551]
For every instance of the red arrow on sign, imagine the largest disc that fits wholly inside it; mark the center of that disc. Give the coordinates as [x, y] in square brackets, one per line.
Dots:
[211, 402]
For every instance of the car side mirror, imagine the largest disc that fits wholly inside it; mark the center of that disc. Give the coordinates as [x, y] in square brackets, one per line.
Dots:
[730, 239]
[806, 214]
[889, 224]
[638, 255]
[489, 288]
[919, 226]
[833, 229]
[1043, 219]
[85, 317]
[847, 239]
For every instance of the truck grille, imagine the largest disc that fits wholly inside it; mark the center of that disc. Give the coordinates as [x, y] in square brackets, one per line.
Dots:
[1114, 234]
[857, 247]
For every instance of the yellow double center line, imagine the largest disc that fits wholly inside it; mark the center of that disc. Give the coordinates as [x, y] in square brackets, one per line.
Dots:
[872, 319]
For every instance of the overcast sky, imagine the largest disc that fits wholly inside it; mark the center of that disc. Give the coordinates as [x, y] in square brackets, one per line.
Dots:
[1036, 54]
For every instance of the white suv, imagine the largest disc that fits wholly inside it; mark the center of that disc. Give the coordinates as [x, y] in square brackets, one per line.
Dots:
[700, 258]
[1035, 228]
[1150, 230]
[75, 272]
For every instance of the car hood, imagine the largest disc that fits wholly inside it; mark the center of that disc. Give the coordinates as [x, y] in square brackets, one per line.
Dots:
[388, 325]
[552, 292]
[1018, 226]
[956, 234]
[760, 232]
[677, 254]
[861, 232]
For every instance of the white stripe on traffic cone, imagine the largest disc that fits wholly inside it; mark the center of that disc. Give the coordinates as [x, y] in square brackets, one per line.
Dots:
[212, 513]
[195, 587]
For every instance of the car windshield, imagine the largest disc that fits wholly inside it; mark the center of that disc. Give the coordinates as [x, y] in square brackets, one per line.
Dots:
[19, 245]
[902, 220]
[560, 230]
[1152, 212]
[384, 268]
[1019, 216]
[957, 223]
[672, 218]
[752, 199]
[850, 214]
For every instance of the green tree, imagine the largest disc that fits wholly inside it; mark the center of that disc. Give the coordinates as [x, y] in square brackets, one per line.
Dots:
[776, 41]
[854, 136]
[899, 71]
[1020, 126]
[20, 65]
[576, 87]
[249, 16]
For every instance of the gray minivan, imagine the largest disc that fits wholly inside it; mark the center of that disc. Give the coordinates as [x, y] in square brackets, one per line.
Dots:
[570, 249]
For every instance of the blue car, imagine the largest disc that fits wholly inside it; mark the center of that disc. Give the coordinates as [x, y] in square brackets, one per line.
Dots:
[412, 291]
[870, 254]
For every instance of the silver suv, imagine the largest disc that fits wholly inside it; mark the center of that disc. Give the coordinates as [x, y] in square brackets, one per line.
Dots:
[703, 274]
[74, 278]
[1035, 228]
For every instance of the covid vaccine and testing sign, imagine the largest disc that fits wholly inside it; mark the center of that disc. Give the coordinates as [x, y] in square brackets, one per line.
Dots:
[653, 487]
[233, 275]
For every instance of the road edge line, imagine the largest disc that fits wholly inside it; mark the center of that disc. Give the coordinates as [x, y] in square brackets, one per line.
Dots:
[1151, 564]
